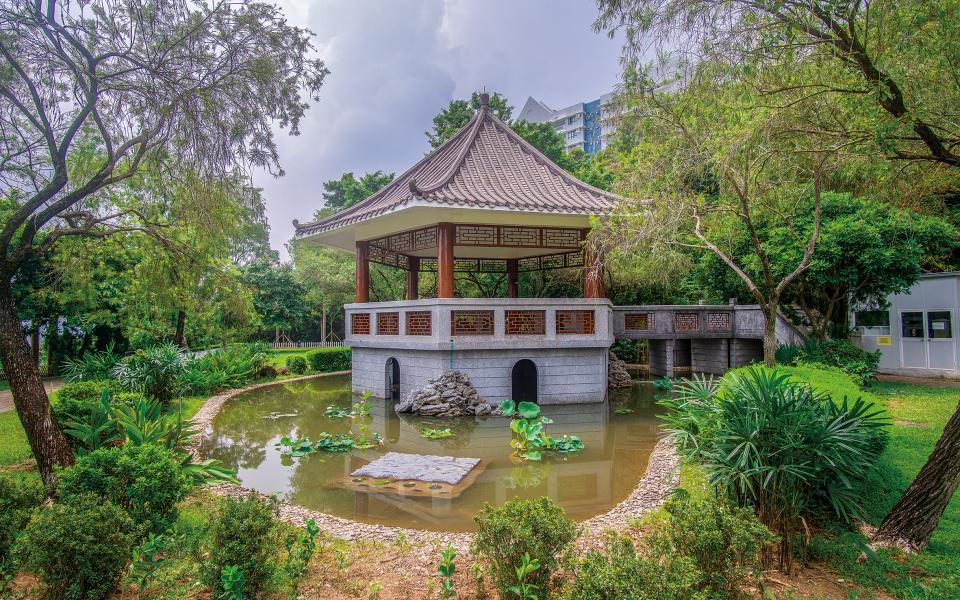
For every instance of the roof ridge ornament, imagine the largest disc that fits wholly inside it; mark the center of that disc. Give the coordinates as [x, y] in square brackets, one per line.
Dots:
[413, 187]
[484, 101]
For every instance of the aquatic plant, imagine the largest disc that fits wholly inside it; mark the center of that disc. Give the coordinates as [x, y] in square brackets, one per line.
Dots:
[622, 410]
[529, 440]
[663, 384]
[435, 434]
[335, 412]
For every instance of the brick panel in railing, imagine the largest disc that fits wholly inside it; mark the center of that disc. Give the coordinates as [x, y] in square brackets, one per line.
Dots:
[360, 323]
[471, 322]
[718, 321]
[686, 321]
[388, 323]
[574, 321]
[419, 322]
[638, 321]
[525, 322]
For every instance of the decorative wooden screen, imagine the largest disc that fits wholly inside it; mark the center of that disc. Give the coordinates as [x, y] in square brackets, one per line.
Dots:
[638, 321]
[388, 323]
[686, 321]
[419, 322]
[471, 322]
[575, 321]
[360, 324]
[525, 322]
[718, 321]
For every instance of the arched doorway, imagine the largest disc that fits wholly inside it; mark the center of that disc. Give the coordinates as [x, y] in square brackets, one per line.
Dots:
[392, 387]
[524, 379]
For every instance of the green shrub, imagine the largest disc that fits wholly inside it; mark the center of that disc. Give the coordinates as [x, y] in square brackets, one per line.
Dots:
[92, 366]
[770, 443]
[538, 527]
[328, 360]
[77, 549]
[245, 534]
[843, 354]
[81, 404]
[157, 372]
[20, 493]
[225, 368]
[297, 364]
[144, 480]
[618, 571]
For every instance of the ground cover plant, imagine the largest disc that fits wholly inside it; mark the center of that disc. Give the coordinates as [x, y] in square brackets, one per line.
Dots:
[843, 354]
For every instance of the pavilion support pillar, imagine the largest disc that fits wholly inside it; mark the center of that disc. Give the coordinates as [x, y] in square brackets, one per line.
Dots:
[513, 278]
[446, 232]
[592, 273]
[363, 272]
[413, 277]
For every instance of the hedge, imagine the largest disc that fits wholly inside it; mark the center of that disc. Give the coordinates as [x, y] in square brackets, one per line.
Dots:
[328, 360]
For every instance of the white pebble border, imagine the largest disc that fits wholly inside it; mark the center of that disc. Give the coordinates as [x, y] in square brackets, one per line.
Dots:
[662, 476]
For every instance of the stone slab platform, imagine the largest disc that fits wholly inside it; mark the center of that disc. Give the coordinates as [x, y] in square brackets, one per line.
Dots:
[418, 467]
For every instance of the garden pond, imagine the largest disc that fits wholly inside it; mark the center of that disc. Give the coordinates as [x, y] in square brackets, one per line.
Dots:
[618, 436]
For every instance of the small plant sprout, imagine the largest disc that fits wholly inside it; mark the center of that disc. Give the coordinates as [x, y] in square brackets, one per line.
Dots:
[343, 560]
[401, 543]
[445, 570]
[233, 581]
[476, 569]
[148, 557]
[523, 590]
[300, 549]
[373, 590]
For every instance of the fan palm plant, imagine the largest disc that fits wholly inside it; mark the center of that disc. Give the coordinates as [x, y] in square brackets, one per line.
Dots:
[771, 443]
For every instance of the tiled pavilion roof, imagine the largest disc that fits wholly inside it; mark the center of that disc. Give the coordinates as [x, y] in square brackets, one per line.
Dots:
[486, 166]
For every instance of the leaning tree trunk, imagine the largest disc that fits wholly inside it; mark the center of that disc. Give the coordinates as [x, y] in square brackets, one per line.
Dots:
[47, 441]
[769, 334]
[912, 521]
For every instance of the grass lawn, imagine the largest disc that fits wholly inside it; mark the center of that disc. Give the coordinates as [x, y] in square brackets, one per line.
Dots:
[13, 440]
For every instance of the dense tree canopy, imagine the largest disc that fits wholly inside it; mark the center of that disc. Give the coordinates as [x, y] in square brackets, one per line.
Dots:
[458, 113]
[348, 190]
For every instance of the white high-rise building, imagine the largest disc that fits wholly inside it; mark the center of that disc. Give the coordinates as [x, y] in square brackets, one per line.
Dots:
[585, 125]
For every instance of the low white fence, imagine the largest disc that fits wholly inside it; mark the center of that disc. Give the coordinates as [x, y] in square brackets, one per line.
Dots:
[297, 345]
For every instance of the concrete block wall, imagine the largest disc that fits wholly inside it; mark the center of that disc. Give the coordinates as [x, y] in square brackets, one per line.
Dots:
[709, 356]
[564, 375]
[744, 352]
[660, 357]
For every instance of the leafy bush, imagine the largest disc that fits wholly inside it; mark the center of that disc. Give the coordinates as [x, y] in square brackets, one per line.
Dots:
[77, 399]
[82, 408]
[244, 534]
[772, 444]
[328, 360]
[505, 533]
[92, 366]
[19, 495]
[618, 571]
[156, 372]
[297, 364]
[626, 350]
[143, 480]
[225, 368]
[844, 354]
[77, 549]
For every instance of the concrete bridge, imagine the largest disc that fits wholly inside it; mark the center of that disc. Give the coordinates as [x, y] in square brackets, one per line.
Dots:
[705, 338]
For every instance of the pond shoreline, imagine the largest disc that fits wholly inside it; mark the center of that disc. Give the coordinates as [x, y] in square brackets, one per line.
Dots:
[661, 476]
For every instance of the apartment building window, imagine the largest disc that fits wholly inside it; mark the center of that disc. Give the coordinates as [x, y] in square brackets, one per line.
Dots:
[572, 120]
[571, 134]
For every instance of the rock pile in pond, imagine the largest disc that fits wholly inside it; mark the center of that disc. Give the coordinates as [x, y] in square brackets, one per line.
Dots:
[617, 374]
[450, 395]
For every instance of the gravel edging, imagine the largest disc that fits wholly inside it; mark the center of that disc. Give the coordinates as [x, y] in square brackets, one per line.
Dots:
[662, 476]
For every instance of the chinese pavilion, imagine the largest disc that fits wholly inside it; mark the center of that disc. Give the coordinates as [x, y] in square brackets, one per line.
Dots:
[489, 202]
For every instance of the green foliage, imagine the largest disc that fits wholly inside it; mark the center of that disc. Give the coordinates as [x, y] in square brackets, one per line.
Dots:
[458, 113]
[233, 583]
[342, 193]
[277, 294]
[225, 368]
[663, 384]
[77, 400]
[92, 366]
[77, 549]
[771, 443]
[328, 360]
[157, 371]
[544, 138]
[619, 571]
[538, 528]
[297, 364]
[148, 557]
[326, 442]
[529, 440]
[144, 480]
[843, 354]
[334, 412]
[244, 534]
[524, 590]
[19, 495]
[446, 570]
[301, 546]
[435, 434]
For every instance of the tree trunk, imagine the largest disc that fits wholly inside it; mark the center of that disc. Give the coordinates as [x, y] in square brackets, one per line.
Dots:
[769, 334]
[179, 338]
[35, 344]
[47, 441]
[912, 521]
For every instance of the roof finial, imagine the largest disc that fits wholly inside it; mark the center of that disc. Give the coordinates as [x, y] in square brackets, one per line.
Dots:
[484, 100]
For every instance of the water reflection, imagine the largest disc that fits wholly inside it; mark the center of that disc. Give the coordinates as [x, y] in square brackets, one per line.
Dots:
[245, 432]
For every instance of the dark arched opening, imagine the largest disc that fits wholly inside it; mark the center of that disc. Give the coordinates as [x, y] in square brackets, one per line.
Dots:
[524, 380]
[392, 379]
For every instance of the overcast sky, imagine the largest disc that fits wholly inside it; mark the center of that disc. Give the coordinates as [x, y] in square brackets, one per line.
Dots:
[395, 63]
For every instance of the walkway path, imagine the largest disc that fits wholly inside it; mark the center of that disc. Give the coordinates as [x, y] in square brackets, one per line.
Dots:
[6, 396]
[931, 381]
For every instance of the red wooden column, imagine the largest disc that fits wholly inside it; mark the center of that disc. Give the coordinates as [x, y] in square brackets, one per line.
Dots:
[363, 272]
[513, 276]
[413, 277]
[445, 237]
[592, 273]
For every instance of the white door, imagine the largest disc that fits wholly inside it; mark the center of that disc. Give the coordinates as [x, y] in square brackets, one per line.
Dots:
[940, 347]
[913, 342]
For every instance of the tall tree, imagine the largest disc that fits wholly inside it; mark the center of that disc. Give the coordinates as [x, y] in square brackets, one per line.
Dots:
[458, 113]
[278, 297]
[348, 190]
[93, 92]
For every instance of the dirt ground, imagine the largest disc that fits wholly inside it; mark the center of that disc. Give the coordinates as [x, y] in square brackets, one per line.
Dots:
[6, 396]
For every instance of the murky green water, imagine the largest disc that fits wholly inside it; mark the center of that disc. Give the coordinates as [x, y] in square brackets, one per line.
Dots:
[588, 483]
